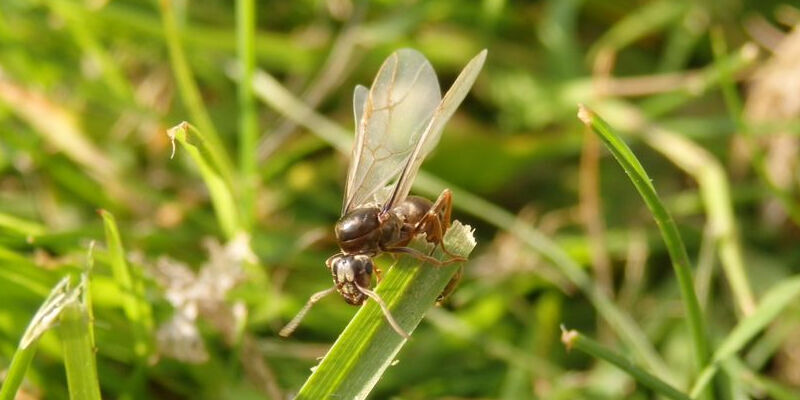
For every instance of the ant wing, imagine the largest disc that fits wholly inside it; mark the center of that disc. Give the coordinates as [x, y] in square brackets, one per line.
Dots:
[433, 131]
[390, 120]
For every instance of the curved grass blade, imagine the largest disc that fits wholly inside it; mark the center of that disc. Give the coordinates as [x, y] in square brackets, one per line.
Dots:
[219, 188]
[669, 231]
[189, 91]
[42, 321]
[368, 345]
[574, 339]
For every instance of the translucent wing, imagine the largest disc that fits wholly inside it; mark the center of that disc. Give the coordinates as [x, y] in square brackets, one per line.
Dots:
[359, 102]
[433, 131]
[395, 114]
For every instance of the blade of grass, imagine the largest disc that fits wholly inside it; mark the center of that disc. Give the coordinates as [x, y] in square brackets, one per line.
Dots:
[713, 184]
[368, 345]
[574, 339]
[271, 92]
[41, 322]
[669, 231]
[771, 305]
[248, 124]
[137, 309]
[190, 93]
[20, 226]
[79, 359]
[20, 363]
[219, 188]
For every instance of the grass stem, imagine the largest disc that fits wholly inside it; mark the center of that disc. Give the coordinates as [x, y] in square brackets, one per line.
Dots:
[188, 90]
[248, 122]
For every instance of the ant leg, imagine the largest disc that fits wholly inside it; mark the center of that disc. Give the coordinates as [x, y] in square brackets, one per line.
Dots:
[414, 253]
[388, 314]
[292, 325]
[451, 286]
[421, 256]
[439, 216]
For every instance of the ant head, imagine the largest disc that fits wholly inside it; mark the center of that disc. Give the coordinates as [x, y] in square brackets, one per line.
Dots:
[351, 273]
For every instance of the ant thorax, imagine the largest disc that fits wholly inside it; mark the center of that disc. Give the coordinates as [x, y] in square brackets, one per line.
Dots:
[367, 230]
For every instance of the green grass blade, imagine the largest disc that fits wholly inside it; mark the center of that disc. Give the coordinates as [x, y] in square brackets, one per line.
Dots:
[574, 339]
[669, 231]
[271, 92]
[189, 91]
[368, 345]
[16, 371]
[771, 305]
[20, 226]
[79, 360]
[42, 321]
[248, 122]
[22, 358]
[137, 309]
[219, 188]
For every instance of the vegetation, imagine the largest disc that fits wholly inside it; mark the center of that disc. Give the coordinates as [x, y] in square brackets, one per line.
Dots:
[624, 174]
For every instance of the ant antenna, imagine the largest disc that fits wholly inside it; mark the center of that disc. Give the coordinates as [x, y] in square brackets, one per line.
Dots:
[292, 325]
[374, 296]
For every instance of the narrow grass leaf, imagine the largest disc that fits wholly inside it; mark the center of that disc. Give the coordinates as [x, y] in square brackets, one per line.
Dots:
[669, 231]
[574, 340]
[42, 321]
[190, 93]
[219, 188]
[137, 309]
[79, 352]
[20, 226]
[368, 345]
[248, 121]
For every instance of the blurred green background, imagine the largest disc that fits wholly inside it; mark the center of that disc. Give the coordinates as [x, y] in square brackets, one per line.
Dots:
[708, 94]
